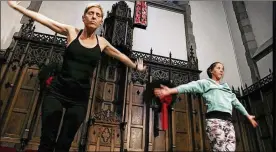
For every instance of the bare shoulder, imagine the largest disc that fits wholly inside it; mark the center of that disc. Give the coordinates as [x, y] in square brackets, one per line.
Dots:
[103, 42]
[102, 39]
[73, 30]
[72, 34]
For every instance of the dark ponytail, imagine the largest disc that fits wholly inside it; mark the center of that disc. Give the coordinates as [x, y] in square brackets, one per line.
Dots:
[211, 68]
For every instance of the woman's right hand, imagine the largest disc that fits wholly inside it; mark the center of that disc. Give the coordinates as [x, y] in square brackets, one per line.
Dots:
[13, 4]
[162, 92]
[252, 120]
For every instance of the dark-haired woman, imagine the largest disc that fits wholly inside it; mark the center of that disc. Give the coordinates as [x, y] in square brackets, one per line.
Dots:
[219, 100]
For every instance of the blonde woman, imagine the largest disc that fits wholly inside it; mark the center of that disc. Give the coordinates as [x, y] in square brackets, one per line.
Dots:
[70, 88]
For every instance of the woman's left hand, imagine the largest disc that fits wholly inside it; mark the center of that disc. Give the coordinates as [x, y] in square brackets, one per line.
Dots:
[252, 120]
[140, 65]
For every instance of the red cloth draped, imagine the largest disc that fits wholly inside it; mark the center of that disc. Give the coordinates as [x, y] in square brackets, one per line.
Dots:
[49, 81]
[166, 101]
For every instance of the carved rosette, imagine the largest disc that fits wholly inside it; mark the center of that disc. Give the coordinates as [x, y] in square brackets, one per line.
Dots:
[106, 135]
[179, 78]
[140, 77]
[106, 116]
[160, 74]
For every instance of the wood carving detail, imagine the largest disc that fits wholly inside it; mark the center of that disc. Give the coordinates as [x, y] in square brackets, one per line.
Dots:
[109, 92]
[106, 135]
[136, 138]
[137, 115]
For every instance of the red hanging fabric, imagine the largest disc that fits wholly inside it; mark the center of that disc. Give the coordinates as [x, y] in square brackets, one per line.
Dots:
[166, 101]
[141, 14]
[49, 80]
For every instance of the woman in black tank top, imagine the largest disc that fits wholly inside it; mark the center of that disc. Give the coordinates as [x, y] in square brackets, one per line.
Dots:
[70, 88]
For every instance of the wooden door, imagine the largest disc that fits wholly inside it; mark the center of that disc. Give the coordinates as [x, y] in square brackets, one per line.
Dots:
[135, 116]
[22, 105]
[182, 125]
[206, 141]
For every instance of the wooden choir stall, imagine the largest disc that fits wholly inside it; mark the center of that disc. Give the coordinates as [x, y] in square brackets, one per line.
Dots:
[119, 118]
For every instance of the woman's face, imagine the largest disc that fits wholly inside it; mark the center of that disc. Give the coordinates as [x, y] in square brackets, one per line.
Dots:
[218, 71]
[92, 18]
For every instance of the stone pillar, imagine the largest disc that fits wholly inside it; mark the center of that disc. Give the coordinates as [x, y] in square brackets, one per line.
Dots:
[34, 6]
[190, 38]
[248, 37]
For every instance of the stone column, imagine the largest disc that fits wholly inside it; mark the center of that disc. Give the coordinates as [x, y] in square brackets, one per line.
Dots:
[34, 6]
[248, 37]
[190, 38]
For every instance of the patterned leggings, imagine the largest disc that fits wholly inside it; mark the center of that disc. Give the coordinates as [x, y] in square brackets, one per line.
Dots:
[221, 134]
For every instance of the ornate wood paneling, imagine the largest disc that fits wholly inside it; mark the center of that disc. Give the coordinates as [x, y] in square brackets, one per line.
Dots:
[239, 144]
[206, 141]
[161, 142]
[259, 109]
[10, 76]
[118, 98]
[118, 27]
[109, 91]
[17, 121]
[104, 134]
[36, 131]
[197, 123]
[179, 72]
[182, 125]
[257, 99]
[21, 122]
[111, 85]
[136, 118]
[7, 86]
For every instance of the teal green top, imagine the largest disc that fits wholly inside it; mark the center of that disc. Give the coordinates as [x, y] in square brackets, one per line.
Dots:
[218, 97]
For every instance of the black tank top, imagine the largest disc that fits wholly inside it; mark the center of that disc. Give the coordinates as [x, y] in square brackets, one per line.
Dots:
[79, 62]
[73, 81]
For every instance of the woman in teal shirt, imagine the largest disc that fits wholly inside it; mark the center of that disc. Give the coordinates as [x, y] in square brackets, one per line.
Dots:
[219, 100]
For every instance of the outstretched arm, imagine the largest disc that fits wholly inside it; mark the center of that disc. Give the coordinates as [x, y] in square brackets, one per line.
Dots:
[192, 87]
[53, 25]
[236, 103]
[113, 52]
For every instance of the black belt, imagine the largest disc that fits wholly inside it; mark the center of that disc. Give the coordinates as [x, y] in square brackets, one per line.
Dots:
[219, 115]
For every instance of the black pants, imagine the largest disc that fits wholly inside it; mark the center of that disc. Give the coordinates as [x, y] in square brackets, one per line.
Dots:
[52, 109]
